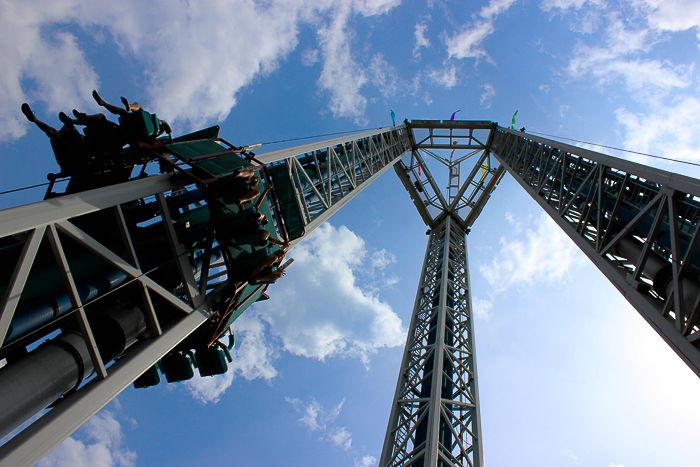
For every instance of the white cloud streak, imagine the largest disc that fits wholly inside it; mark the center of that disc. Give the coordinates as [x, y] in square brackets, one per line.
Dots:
[316, 418]
[541, 254]
[365, 461]
[670, 130]
[468, 42]
[669, 126]
[342, 77]
[445, 77]
[486, 96]
[421, 40]
[481, 308]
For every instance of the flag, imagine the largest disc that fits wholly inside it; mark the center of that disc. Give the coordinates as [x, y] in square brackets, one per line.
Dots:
[512, 124]
[453, 115]
[419, 173]
[453, 142]
[393, 118]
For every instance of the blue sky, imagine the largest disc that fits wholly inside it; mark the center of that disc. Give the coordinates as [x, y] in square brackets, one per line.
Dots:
[570, 374]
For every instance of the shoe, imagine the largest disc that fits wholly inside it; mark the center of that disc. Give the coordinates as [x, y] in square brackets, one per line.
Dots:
[27, 111]
[65, 119]
[80, 116]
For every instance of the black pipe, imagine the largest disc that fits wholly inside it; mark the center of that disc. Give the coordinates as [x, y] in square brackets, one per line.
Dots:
[58, 367]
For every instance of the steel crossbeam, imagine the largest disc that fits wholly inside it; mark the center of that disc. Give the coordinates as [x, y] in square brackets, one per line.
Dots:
[435, 413]
[639, 226]
[465, 197]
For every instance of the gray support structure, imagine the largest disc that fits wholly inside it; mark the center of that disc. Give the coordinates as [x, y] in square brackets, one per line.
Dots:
[435, 418]
[639, 226]
[325, 175]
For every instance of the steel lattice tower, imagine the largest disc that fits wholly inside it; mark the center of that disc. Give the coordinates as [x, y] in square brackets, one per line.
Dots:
[435, 414]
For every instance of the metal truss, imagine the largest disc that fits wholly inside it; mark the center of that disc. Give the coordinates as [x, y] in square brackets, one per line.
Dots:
[464, 196]
[435, 413]
[325, 176]
[639, 226]
[328, 174]
[434, 417]
[53, 219]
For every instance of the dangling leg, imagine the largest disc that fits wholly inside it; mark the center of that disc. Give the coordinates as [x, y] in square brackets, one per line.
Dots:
[132, 107]
[112, 108]
[245, 197]
[248, 174]
[272, 277]
[66, 120]
[260, 200]
[85, 119]
[50, 131]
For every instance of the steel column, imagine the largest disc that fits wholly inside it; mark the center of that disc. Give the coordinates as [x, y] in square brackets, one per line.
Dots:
[434, 417]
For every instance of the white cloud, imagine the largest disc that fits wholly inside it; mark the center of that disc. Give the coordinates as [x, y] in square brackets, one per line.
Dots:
[574, 458]
[548, 5]
[343, 317]
[673, 15]
[587, 20]
[104, 446]
[644, 78]
[182, 69]
[620, 56]
[253, 357]
[188, 77]
[382, 258]
[193, 65]
[316, 418]
[365, 461]
[671, 131]
[481, 308]
[342, 77]
[544, 87]
[541, 254]
[385, 77]
[488, 93]
[445, 77]
[309, 57]
[421, 40]
[467, 43]
[669, 126]
[340, 438]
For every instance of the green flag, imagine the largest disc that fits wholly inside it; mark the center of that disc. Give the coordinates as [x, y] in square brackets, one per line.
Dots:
[512, 124]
